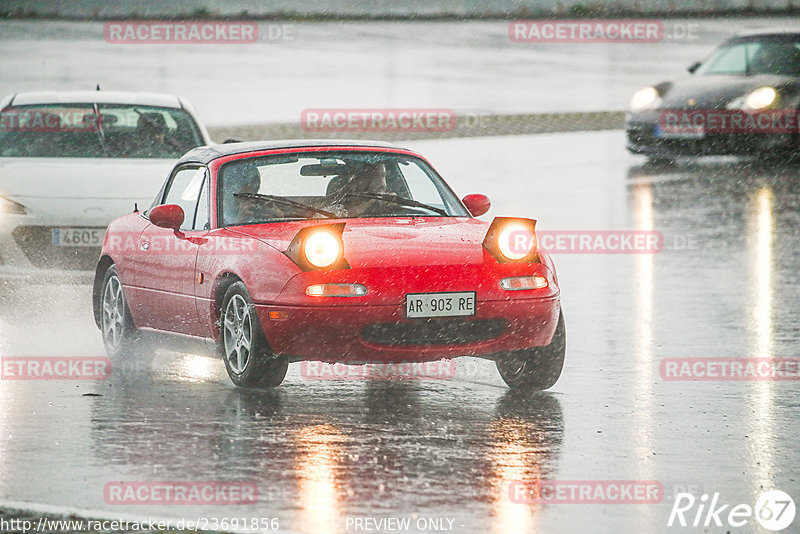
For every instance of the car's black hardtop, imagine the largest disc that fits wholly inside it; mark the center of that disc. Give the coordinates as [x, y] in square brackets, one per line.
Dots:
[206, 154]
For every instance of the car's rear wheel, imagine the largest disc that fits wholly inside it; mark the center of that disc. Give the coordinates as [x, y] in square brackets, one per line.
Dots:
[120, 337]
[248, 358]
[536, 368]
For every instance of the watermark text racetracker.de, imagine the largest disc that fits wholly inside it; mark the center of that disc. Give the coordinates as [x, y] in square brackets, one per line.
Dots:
[54, 368]
[586, 491]
[180, 493]
[687, 122]
[432, 370]
[600, 31]
[602, 241]
[729, 369]
[49, 120]
[378, 120]
[196, 32]
[48, 524]
[171, 244]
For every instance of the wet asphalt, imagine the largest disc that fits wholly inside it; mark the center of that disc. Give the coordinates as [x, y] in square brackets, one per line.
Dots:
[324, 453]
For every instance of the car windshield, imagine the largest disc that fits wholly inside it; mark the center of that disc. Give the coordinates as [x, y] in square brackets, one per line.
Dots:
[332, 184]
[96, 131]
[776, 56]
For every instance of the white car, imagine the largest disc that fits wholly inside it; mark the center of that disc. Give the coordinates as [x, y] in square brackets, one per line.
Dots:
[71, 162]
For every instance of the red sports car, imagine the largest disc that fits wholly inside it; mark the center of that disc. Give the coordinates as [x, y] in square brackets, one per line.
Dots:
[349, 252]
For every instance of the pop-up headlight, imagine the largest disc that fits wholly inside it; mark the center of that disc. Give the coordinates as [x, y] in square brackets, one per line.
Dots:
[512, 240]
[319, 248]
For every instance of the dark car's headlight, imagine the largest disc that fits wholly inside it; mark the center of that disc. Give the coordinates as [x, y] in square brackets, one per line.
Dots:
[645, 98]
[761, 98]
[10, 207]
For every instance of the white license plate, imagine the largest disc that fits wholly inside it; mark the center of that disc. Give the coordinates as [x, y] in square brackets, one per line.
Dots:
[440, 304]
[77, 237]
[680, 133]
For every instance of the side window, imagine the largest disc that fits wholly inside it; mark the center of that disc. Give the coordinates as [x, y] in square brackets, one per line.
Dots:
[184, 190]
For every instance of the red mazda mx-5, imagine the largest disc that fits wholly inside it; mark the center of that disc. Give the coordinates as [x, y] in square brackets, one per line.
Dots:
[348, 252]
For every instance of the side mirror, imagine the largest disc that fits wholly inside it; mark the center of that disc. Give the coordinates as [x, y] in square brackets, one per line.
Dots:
[477, 204]
[167, 216]
[693, 67]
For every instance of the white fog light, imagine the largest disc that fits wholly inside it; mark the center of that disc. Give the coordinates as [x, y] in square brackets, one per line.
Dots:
[336, 290]
[520, 283]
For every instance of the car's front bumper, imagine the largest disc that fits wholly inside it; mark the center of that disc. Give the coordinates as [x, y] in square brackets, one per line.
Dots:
[381, 333]
[644, 137]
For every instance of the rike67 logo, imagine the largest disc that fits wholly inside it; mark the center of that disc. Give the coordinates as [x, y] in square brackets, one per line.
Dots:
[774, 511]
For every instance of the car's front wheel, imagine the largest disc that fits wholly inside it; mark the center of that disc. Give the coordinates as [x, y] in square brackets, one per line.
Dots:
[248, 358]
[536, 368]
[120, 337]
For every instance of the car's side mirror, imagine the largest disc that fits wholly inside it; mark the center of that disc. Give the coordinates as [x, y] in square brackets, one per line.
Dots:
[167, 216]
[477, 204]
[693, 67]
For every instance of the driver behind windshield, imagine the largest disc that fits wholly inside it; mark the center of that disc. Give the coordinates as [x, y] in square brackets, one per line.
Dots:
[370, 180]
[240, 209]
[151, 136]
[776, 58]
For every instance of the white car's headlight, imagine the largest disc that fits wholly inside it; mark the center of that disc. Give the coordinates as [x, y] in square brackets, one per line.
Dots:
[10, 207]
[645, 98]
[760, 98]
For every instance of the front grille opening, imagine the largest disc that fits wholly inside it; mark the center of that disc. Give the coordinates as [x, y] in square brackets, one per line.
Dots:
[434, 332]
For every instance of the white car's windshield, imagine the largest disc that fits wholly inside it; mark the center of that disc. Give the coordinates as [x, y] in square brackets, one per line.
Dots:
[776, 56]
[96, 131]
[331, 184]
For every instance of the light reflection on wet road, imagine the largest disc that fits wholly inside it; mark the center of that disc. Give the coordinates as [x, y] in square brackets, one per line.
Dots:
[323, 451]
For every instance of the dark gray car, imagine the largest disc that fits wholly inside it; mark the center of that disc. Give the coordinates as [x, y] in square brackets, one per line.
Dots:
[742, 99]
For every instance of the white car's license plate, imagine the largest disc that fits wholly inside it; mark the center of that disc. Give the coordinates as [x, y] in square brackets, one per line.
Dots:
[695, 132]
[77, 237]
[440, 304]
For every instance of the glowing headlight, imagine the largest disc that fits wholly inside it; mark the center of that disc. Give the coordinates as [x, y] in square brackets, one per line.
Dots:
[322, 249]
[9, 206]
[516, 241]
[760, 98]
[645, 98]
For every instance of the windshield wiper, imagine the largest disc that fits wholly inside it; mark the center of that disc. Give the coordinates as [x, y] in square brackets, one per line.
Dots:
[396, 199]
[101, 135]
[287, 202]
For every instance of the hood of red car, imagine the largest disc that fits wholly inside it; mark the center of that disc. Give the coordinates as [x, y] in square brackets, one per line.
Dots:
[391, 242]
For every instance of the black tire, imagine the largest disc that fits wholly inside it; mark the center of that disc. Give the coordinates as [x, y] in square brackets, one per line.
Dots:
[242, 345]
[537, 368]
[123, 342]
